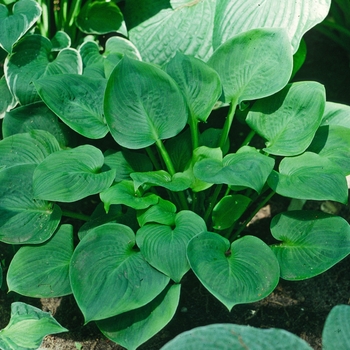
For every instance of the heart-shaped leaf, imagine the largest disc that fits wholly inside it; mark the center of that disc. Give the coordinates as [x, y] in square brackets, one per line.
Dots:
[71, 174]
[133, 328]
[254, 64]
[161, 213]
[13, 26]
[27, 148]
[228, 210]
[124, 193]
[164, 247]
[99, 17]
[22, 71]
[77, 100]
[199, 83]
[289, 119]
[232, 336]
[23, 219]
[233, 17]
[336, 114]
[108, 277]
[243, 272]
[309, 176]
[187, 28]
[27, 327]
[41, 271]
[35, 116]
[247, 168]
[143, 104]
[333, 143]
[336, 330]
[312, 242]
[60, 41]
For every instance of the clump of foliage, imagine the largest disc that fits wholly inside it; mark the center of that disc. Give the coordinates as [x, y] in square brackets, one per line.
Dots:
[141, 126]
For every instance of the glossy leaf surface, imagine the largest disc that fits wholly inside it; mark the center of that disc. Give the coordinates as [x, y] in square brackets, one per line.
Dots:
[143, 105]
[289, 119]
[41, 271]
[312, 242]
[164, 247]
[108, 277]
[249, 270]
[133, 328]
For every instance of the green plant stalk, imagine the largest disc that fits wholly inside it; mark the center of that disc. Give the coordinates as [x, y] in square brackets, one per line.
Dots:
[212, 202]
[246, 222]
[74, 215]
[170, 167]
[228, 122]
[249, 138]
[153, 159]
[193, 122]
[44, 22]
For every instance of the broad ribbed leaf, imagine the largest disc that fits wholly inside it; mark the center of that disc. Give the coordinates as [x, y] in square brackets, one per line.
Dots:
[108, 277]
[35, 116]
[27, 328]
[143, 104]
[124, 193]
[333, 142]
[247, 168]
[289, 119]
[254, 64]
[77, 100]
[336, 330]
[41, 271]
[133, 328]
[27, 148]
[312, 242]
[60, 41]
[22, 71]
[187, 28]
[23, 219]
[243, 272]
[235, 337]
[164, 247]
[72, 174]
[297, 17]
[164, 212]
[14, 25]
[199, 83]
[336, 114]
[309, 176]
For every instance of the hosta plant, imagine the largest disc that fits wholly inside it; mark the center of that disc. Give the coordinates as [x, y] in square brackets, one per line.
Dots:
[166, 142]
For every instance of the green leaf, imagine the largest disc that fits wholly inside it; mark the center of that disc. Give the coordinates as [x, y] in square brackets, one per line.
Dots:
[34, 116]
[333, 143]
[233, 17]
[164, 247]
[77, 100]
[93, 62]
[289, 119]
[99, 17]
[13, 26]
[254, 64]
[24, 219]
[133, 328]
[108, 277]
[27, 328]
[199, 83]
[41, 271]
[187, 28]
[124, 193]
[60, 41]
[235, 337]
[7, 101]
[27, 148]
[177, 182]
[228, 210]
[22, 71]
[312, 242]
[299, 57]
[72, 174]
[336, 330]
[247, 168]
[143, 104]
[161, 213]
[336, 114]
[309, 176]
[243, 272]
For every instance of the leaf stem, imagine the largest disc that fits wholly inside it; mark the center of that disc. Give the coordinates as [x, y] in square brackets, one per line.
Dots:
[212, 202]
[74, 215]
[228, 123]
[249, 138]
[193, 122]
